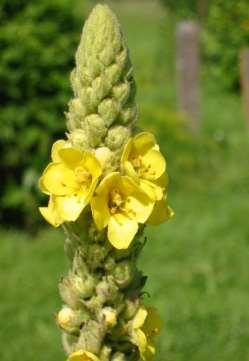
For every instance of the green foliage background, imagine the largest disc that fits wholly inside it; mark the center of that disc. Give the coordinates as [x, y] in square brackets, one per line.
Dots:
[225, 27]
[37, 41]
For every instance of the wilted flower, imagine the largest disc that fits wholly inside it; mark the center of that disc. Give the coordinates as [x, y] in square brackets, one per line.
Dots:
[144, 326]
[69, 181]
[120, 205]
[161, 213]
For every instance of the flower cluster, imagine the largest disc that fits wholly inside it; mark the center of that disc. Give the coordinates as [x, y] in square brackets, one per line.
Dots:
[104, 183]
[120, 201]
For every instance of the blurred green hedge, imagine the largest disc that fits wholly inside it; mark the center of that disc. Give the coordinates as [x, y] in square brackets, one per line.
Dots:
[38, 40]
[225, 31]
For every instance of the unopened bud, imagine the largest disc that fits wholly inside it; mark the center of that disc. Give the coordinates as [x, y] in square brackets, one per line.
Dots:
[128, 115]
[70, 320]
[96, 129]
[123, 273]
[131, 308]
[118, 356]
[108, 109]
[117, 136]
[104, 155]
[78, 139]
[83, 287]
[106, 289]
[96, 255]
[73, 288]
[121, 92]
[110, 316]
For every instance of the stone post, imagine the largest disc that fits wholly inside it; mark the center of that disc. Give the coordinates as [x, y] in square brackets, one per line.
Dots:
[188, 71]
[244, 81]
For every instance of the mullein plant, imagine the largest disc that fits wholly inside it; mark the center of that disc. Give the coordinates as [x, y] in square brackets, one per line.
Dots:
[105, 182]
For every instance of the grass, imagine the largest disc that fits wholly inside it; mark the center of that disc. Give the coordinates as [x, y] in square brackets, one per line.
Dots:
[197, 263]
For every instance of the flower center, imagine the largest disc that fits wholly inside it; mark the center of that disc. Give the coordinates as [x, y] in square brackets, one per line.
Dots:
[83, 177]
[143, 170]
[115, 201]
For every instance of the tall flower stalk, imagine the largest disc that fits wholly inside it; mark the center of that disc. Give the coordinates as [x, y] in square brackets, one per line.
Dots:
[105, 182]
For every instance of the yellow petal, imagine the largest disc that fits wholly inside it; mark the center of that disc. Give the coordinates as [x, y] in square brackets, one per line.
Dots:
[161, 213]
[70, 207]
[127, 185]
[129, 170]
[138, 207]
[126, 151]
[141, 341]
[108, 183]
[50, 214]
[143, 142]
[71, 157]
[153, 191]
[42, 186]
[91, 163]
[57, 179]
[140, 317]
[156, 163]
[82, 356]
[55, 149]
[100, 210]
[121, 231]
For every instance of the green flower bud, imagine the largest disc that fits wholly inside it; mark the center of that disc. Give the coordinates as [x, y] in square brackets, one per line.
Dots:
[95, 128]
[101, 88]
[117, 136]
[110, 264]
[113, 73]
[131, 307]
[123, 273]
[78, 139]
[84, 287]
[128, 115]
[107, 289]
[75, 287]
[96, 255]
[121, 92]
[68, 294]
[109, 109]
[77, 108]
[102, 80]
[91, 337]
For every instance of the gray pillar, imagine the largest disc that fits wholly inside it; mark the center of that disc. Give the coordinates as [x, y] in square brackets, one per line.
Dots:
[188, 71]
[244, 80]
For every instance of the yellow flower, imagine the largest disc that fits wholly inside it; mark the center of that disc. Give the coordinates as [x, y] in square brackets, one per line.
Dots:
[142, 160]
[82, 356]
[69, 180]
[120, 205]
[145, 325]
